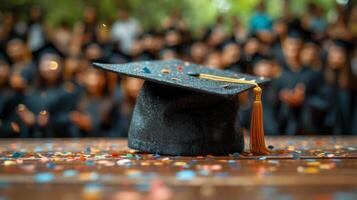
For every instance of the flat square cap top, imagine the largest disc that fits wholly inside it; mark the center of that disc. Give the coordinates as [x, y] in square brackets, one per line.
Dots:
[177, 73]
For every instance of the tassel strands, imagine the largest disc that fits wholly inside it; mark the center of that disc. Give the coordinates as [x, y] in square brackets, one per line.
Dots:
[257, 141]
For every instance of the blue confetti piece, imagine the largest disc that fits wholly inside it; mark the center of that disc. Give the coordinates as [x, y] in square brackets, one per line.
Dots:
[296, 155]
[262, 158]
[137, 156]
[90, 163]
[87, 150]
[344, 196]
[70, 173]
[50, 165]
[222, 174]
[236, 155]
[4, 184]
[17, 154]
[142, 187]
[157, 155]
[44, 177]
[271, 147]
[185, 175]
[38, 149]
[204, 172]
[146, 70]
[93, 187]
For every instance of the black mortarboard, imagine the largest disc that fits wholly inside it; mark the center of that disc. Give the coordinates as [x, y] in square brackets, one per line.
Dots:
[184, 108]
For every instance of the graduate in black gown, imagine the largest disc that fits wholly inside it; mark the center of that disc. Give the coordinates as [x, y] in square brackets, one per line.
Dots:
[46, 100]
[293, 86]
[338, 90]
[231, 58]
[92, 114]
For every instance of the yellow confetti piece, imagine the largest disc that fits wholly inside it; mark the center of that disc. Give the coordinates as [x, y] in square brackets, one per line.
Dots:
[314, 164]
[180, 163]
[9, 162]
[308, 170]
[165, 71]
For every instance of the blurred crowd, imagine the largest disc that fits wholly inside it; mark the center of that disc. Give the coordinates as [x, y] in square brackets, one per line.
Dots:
[48, 87]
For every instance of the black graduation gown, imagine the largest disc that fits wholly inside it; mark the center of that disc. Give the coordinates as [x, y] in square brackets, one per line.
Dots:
[339, 110]
[55, 101]
[99, 111]
[291, 119]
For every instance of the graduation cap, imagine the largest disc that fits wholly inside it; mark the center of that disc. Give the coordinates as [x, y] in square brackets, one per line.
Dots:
[187, 109]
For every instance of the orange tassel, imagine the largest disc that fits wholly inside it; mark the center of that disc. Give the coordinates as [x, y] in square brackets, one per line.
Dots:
[257, 141]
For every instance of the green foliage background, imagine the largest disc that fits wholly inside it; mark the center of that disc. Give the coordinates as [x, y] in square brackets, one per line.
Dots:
[198, 13]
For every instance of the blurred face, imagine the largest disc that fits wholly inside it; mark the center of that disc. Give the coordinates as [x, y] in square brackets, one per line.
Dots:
[198, 52]
[4, 73]
[336, 57]
[136, 48]
[149, 42]
[90, 15]
[308, 54]
[168, 54]
[172, 38]
[15, 49]
[132, 86]
[252, 46]
[230, 54]
[50, 68]
[216, 38]
[292, 47]
[214, 60]
[280, 28]
[35, 13]
[263, 68]
[93, 52]
[94, 81]
[70, 67]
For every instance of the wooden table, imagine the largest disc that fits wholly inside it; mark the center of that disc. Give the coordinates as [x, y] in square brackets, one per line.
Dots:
[320, 168]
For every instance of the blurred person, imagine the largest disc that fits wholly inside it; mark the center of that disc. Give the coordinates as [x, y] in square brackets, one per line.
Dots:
[338, 89]
[293, 86]
[90, 25]
[36, 29]
[260, 21]
[239, 32]
[92, 114]
[150, 52]
[20, 58]
[130, 88]
[62, 37]
[173, 40]
[338, 29]
[316, 21]
[125, 30]
[310, 56]
[214, 60]
[251, 49]
[280, 30]
[231, 57]
[198, 51]
[168, 53]
[93, 52]
[44, 103]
